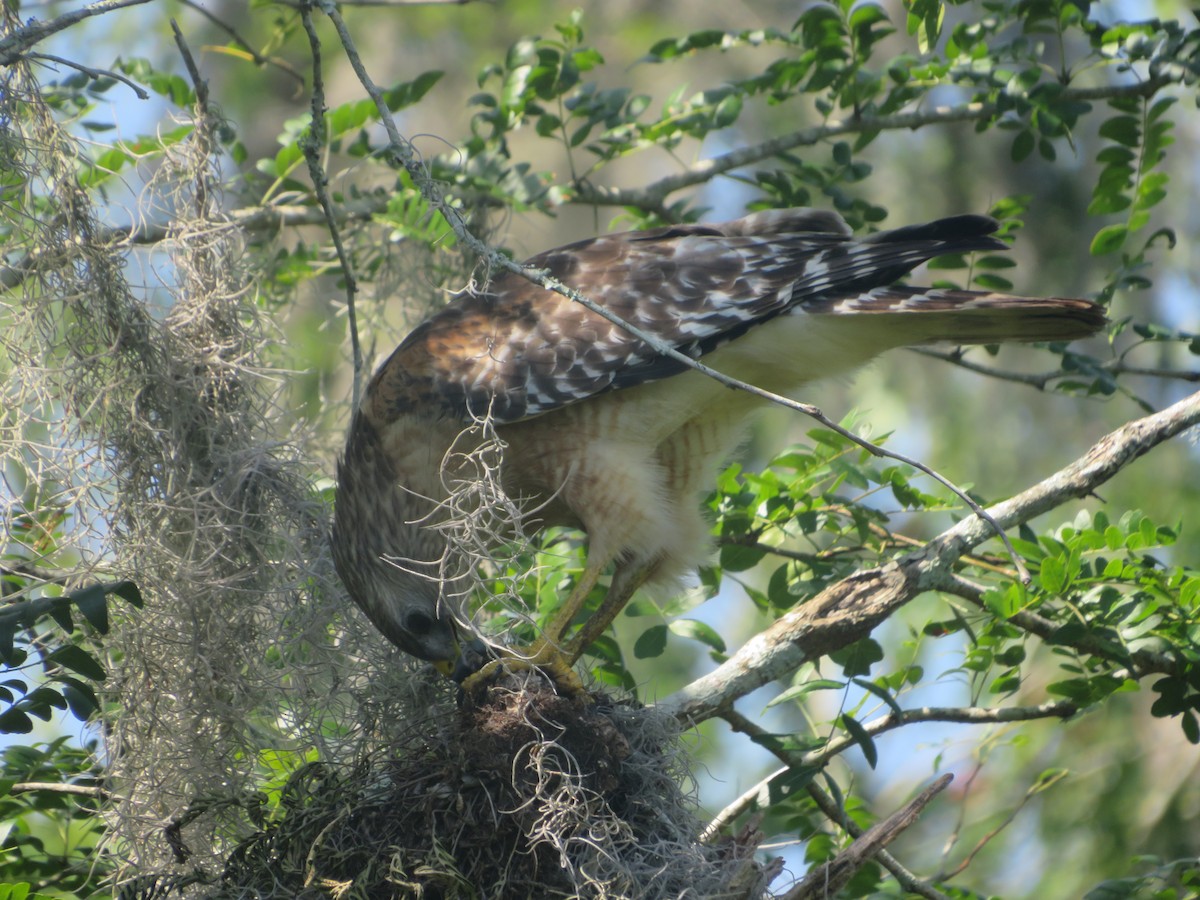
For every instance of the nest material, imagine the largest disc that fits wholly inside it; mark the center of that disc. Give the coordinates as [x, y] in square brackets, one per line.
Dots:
[521, 794]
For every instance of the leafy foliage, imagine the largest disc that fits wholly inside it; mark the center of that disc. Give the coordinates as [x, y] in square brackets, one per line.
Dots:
[54, 657]
[50, 836]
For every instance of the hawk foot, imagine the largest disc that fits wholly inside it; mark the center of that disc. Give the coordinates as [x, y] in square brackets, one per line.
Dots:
[542, 656]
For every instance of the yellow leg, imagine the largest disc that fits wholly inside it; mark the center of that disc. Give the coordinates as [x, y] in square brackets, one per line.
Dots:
[550, 653]
[625, 583]
[562, 620]
[545, 653]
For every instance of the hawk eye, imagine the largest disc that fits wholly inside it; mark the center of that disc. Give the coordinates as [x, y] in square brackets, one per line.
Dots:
[418, 624]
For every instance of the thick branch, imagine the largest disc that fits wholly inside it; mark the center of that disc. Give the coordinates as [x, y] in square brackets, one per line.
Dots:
[847, 611]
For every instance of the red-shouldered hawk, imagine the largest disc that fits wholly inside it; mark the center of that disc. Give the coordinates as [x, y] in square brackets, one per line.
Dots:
[607, 435]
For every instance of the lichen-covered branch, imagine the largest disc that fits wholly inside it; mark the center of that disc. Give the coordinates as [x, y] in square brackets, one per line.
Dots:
[16, 44]
[847, 611]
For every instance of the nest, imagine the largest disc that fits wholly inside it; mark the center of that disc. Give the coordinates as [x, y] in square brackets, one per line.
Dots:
[521, 793]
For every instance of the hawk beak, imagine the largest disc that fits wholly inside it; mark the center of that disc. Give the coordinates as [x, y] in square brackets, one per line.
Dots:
[447, 667]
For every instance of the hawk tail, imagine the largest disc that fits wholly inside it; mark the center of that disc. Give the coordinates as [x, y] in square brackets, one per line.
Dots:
[930, 315]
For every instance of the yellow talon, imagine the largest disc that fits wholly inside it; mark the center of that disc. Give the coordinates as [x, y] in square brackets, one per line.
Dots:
[542, 656]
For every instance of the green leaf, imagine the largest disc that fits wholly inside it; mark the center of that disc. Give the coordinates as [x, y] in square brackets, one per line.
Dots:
[61, 613]
[727, 111]
[93, 603]
[738, 558]
[858, 657]
[1125, 130]
[81, 699]
[880, 692]
[863, 739]
[786, 783]
[1022, 146]
[799, 690]
[1053, 575]
[1191, 728]
[409, 92]
[1108, 239]
[129, 592]
[651, 643]
[78, 660]
[699, 631]
[14, 721]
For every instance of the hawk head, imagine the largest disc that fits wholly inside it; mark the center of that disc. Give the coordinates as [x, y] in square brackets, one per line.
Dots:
[388, 562]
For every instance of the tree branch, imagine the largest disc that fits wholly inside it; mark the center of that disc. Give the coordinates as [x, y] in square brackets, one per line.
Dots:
[94, 74]
[847, 611]
[758, 796]
[58, 787]
[1042, 380]
[966, 715]
[312, 144]
[828, 879]
[904, 877]
[1140, 661]
[654, 195]
[13, 47]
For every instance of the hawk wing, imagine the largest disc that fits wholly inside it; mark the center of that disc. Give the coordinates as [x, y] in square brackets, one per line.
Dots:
[520, 351]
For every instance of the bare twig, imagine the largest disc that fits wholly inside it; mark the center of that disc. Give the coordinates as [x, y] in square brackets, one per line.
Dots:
[904, 877]
[95, 74]
[16, 44]
[828, 879]
[312, 145]
[258, 58]
[189, 63]
[850, 609]
[1042, 380]
[758, 796]
[1032, 791]
[58, 787]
